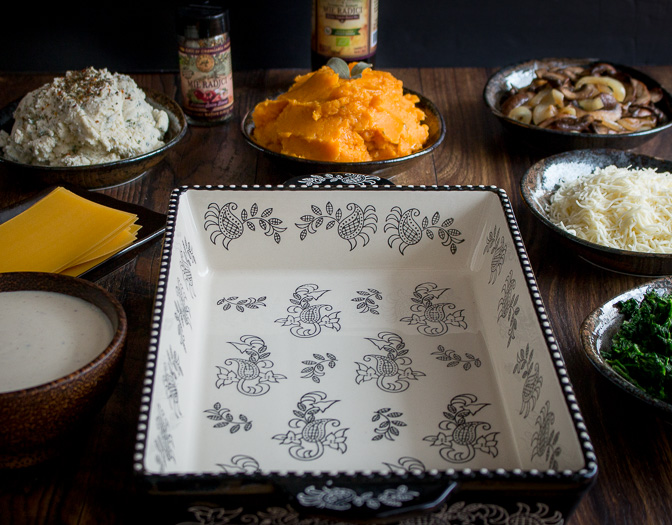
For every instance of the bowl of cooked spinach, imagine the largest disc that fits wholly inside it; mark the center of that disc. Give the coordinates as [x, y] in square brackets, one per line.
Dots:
[629, 340]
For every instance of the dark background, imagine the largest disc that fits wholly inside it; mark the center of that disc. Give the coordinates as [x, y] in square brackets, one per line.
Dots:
[140, 36]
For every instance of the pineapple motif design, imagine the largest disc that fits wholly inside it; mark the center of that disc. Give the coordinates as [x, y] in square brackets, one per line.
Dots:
[406, 231]
[355, 227]
[225, 226]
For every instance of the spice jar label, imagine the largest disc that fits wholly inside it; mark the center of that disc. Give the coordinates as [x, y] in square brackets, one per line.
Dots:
[206, 77]
[345, 28]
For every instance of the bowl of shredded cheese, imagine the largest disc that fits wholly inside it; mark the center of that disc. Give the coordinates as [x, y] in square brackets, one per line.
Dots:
[612, 207]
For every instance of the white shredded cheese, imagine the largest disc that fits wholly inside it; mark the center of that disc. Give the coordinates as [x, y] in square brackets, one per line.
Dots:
[623, 208]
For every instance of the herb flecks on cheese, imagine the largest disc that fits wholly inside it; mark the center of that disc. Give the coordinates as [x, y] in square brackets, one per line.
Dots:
[89, 116]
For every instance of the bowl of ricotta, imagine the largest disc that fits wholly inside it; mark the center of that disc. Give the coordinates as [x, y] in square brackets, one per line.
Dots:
[90, 128]
[609, 206]
[61, 350]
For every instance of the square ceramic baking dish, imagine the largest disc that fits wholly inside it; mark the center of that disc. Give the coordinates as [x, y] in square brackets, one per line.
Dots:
[355, 354]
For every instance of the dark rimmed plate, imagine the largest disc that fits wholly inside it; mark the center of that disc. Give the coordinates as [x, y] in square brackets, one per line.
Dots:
[388, 167]
[153, 226]
[521, 74]
[543, 178]
[109, 174]
[598, 330]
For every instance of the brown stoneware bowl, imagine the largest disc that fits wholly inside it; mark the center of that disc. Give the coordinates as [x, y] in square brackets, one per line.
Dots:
[294, 166]
[38, 421]
[543, 178]
[109, 174]
[552, 141]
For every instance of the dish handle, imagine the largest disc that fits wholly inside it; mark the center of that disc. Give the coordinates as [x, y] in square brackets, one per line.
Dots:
[363, 502]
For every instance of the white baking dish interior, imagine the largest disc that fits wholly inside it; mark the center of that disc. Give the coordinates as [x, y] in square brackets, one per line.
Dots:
[344, 330]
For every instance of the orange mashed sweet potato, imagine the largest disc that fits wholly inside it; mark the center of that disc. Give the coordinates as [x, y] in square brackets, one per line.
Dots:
[325, 117]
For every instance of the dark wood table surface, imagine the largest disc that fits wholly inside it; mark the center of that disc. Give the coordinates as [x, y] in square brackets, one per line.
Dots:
[92, 482]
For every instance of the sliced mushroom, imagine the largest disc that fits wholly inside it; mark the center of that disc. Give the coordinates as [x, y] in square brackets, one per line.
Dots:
[598, 98]
[608, 115]
[639, 111]
[641, 95]
[633, 124]
[568, 123]
[587, 91]
[516, 100]
[573, 72]
[601, 68]
[656, 94]
[556, 79]
[608, 101]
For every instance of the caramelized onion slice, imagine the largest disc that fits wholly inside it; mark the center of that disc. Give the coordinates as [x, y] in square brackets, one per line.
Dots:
[522, 114]
[617, 87]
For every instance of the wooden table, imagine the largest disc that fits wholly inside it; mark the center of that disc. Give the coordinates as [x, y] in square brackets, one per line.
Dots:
[93, 484]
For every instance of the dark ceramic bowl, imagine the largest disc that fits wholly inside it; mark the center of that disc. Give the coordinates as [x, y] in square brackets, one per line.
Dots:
[38, 421]
[521, 74]
[297, 166]
[543, 178]
[99, 176]
[598, 330]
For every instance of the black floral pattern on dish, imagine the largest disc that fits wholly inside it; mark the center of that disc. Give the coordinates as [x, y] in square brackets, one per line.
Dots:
[357, 226]
[433, 318]
[225, 226]
[460, 438]
[253, 375]
[309, 437]
[389, 370]
[408, 232]
[307, 319]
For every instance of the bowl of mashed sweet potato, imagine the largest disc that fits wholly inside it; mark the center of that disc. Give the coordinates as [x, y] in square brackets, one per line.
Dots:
[329, 122]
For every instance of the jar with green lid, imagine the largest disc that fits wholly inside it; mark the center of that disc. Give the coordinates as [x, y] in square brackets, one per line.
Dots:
[204, 51]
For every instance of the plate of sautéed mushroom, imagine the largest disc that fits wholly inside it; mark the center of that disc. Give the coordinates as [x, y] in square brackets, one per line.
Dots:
[579, 103]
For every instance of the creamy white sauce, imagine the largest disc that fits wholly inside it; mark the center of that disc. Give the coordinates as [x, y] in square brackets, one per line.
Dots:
[47, 335]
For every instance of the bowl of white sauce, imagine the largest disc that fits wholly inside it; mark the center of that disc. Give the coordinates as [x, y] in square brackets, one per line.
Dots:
[61, 350]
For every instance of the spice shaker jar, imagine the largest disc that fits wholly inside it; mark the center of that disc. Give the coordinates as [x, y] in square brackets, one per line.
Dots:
[204, 51]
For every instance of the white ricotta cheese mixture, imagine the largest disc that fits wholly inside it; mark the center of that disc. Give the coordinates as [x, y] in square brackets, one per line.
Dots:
[624, 208]
[90, 116]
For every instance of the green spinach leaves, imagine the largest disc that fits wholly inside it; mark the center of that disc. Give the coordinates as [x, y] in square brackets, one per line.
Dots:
[641, 350]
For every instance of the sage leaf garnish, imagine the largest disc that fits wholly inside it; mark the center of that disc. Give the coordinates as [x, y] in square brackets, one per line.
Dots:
[341, 68]
[358, 69]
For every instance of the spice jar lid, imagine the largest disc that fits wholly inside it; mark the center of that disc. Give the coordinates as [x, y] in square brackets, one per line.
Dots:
[202, 20]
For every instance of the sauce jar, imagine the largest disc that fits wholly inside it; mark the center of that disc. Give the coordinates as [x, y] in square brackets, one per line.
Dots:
[347, 29]
[204, 52]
